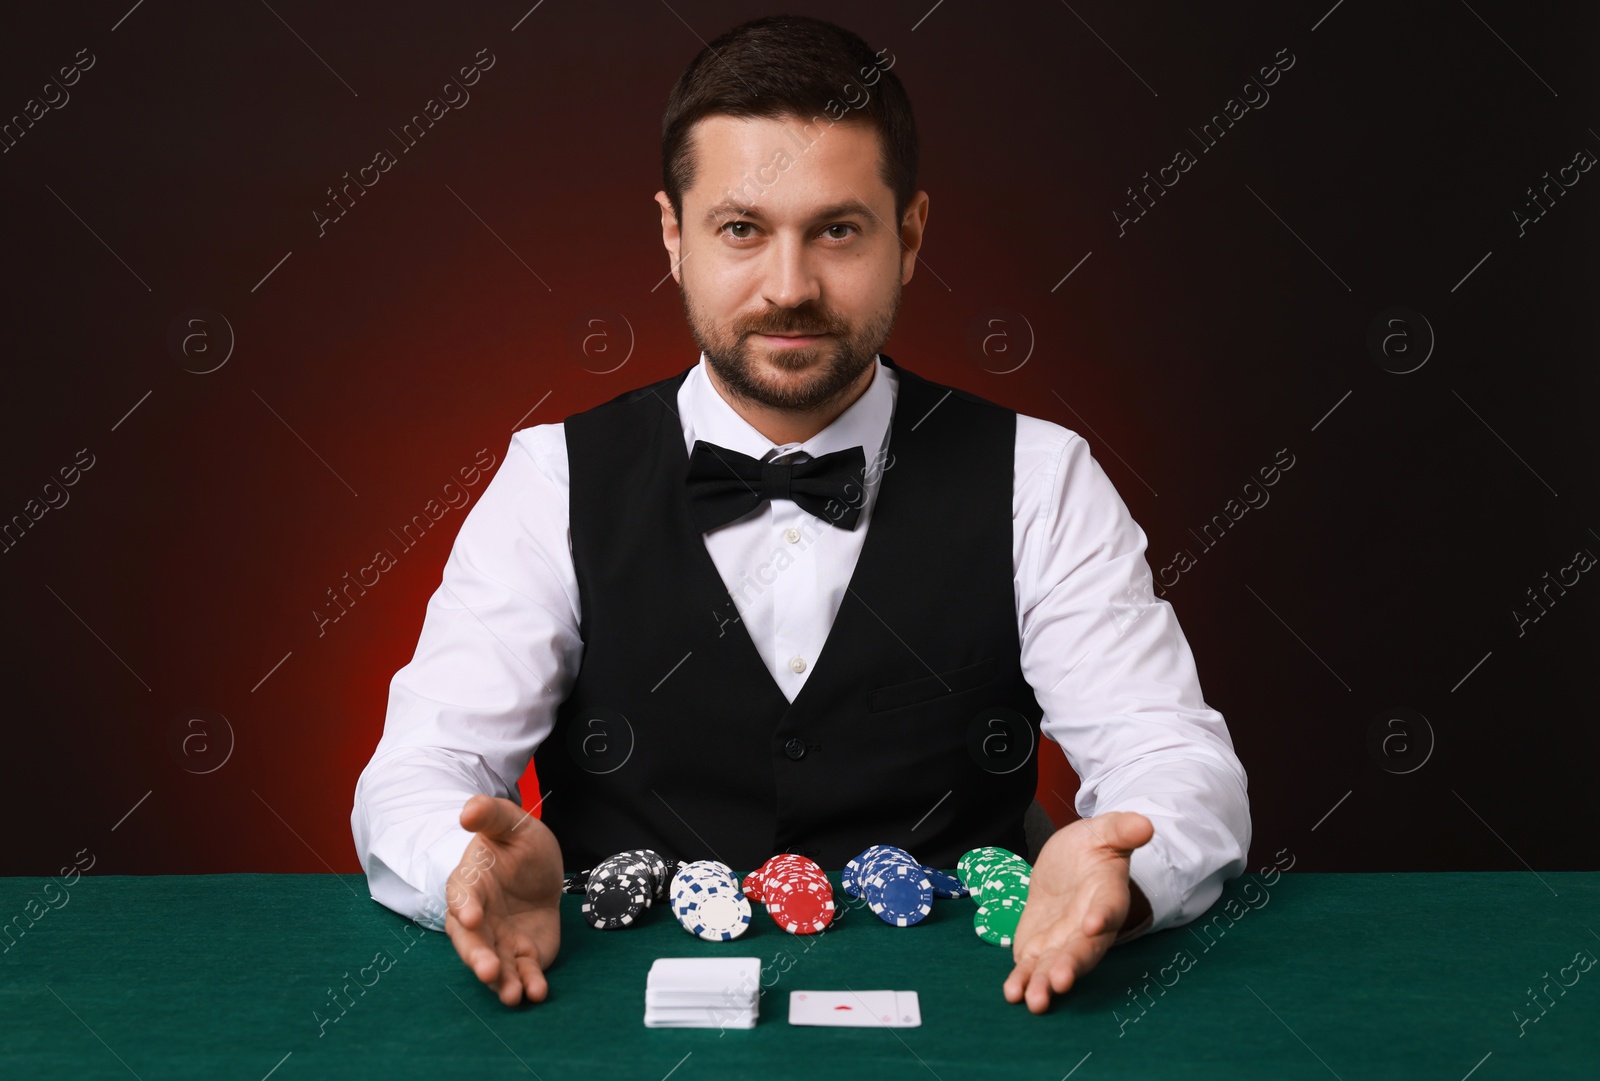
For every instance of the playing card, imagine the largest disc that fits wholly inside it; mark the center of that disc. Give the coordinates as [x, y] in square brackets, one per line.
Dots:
[697, 978]
[855, 1009]
[702, 992]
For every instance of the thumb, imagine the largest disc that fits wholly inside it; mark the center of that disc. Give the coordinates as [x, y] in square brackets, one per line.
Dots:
[493, 817]
[1123, 831]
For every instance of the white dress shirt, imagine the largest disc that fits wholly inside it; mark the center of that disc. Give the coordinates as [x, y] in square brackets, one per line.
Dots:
[1107, 662]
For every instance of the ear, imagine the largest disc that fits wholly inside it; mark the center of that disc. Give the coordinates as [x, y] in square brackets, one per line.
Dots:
[911, 229]
[671, 235]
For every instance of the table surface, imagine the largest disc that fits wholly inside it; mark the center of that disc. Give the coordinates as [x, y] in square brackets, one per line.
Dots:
[1342, 975]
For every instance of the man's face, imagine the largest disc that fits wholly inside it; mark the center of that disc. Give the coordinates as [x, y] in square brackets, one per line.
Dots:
[788, 255]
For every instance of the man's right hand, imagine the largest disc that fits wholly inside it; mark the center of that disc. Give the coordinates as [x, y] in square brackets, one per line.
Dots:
[503, 899]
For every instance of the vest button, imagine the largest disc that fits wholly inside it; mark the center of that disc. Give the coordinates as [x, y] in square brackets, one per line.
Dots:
[795, 749]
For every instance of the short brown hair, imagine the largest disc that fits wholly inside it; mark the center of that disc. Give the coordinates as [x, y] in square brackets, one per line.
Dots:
[791, 66]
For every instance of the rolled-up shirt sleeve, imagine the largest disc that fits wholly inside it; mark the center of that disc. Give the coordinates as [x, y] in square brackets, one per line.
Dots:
[497, 654]
[1116, 680]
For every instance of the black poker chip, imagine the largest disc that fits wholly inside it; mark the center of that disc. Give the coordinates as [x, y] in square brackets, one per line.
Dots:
[615, 900]
[620, 888]
[653, 865]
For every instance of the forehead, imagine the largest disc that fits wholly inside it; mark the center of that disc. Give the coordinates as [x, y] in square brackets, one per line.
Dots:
[781, 163]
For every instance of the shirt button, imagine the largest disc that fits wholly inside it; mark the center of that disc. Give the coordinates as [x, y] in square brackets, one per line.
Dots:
[797, 664]
[791, 535]
[795, 749]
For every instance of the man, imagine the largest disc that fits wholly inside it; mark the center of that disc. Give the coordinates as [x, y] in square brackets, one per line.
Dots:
[796, 597]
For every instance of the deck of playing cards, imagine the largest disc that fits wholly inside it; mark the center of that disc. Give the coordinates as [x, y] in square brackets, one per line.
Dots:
[703, 992]
[855, 1009]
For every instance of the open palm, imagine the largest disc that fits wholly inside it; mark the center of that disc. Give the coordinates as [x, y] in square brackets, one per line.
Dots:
[1078, 901]
[503, 899]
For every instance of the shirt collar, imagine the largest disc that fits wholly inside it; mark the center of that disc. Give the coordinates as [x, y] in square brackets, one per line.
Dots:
[707, 415]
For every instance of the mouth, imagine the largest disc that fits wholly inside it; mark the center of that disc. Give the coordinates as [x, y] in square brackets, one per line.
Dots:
[790, 341]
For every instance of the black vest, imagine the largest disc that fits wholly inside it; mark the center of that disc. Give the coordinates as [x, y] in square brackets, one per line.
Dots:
[915, 726]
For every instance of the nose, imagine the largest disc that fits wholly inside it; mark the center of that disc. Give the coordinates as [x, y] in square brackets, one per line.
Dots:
[790, 278]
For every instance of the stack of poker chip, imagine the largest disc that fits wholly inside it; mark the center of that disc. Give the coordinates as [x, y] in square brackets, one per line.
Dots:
[708, 902]
[898, 889]
[999, 882]
[796, 891]
[618, 890]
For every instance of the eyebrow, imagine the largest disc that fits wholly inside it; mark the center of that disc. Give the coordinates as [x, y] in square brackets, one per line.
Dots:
[848, 208]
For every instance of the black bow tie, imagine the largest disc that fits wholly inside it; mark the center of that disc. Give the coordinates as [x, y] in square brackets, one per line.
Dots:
[724, 484]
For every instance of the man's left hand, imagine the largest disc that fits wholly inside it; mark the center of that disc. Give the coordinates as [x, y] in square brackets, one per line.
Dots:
[1079, 899]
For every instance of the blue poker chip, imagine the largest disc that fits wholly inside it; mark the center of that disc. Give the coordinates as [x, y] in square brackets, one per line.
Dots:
[886, 858]
[872, 861]
[850, 877]
[944, 885]
[899, 895]
[878, 854]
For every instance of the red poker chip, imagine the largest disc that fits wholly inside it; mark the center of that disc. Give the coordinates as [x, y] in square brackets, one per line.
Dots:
[781, 863]
[787, 861]
[802, 903]
[796, 891]
[755, 883]
[774, 876]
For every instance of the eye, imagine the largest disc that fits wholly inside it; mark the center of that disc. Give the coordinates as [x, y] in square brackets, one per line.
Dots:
[738, 225]
[842, 225]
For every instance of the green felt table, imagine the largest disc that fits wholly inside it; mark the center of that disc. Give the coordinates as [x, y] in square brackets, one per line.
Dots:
[1343, 975]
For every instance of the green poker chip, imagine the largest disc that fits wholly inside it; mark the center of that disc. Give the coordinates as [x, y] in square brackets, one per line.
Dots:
[969, 866]
[1008, 881]
[996, 921]
[998, 881]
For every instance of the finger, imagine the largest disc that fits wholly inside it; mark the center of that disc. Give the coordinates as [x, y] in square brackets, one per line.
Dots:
[1038, 993]
[1127, 830]
[1095, 923]
[484, 963]
[480, 957]
[473, 948]
[1063, 973]
[479, 812]
[534, 984]
[494, 817]
[1018, 980]
[1099, 930]
[510, 989]
[466, 906]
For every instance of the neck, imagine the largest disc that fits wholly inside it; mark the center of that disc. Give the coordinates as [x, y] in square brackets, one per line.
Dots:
[782, 426]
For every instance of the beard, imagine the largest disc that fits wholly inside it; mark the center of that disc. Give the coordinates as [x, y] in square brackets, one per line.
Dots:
[835, 363]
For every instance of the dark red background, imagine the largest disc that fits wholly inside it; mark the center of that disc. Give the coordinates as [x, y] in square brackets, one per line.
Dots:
[1188, 352]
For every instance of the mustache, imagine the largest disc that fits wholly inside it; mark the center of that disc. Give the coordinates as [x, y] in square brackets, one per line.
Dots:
[794, 327]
